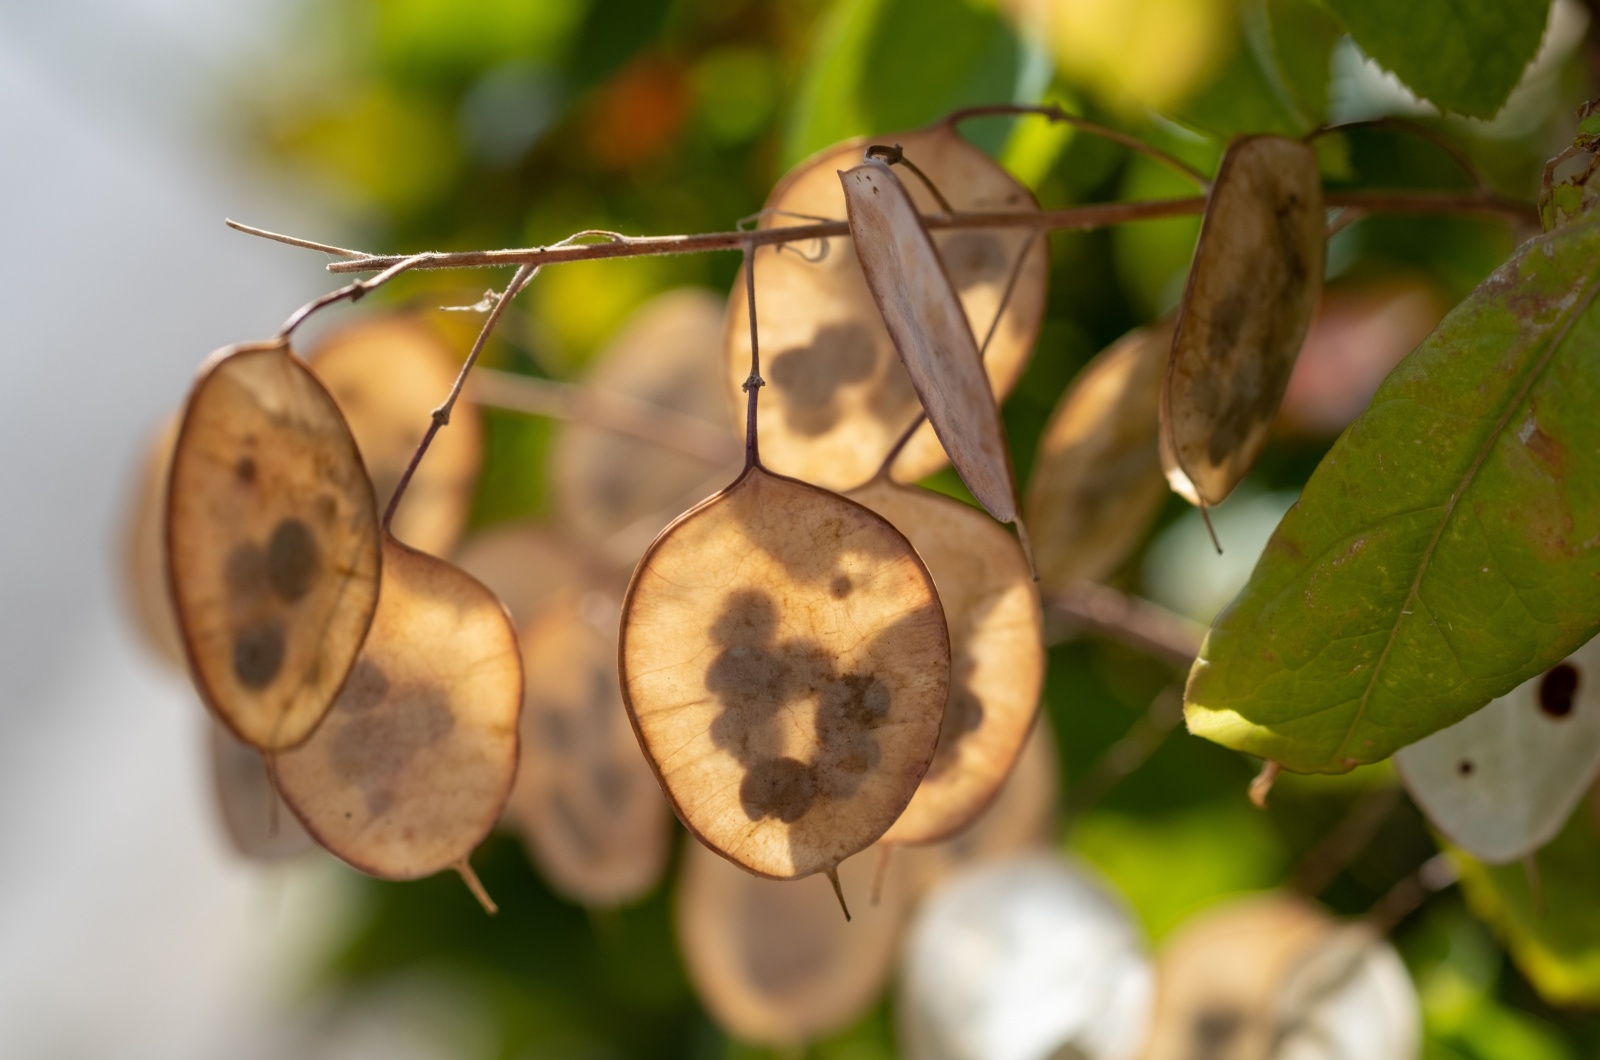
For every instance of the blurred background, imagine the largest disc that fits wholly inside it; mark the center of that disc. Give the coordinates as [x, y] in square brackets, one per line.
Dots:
[130, 927]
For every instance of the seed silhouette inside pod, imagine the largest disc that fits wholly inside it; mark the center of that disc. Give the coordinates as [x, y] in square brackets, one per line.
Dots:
[1500, 783]
[1254, 282]
[585, 796]
[773, 961]
[144, 561]
[255, 818]
[388, 374]
[272, 544]
[997, 654]
[1097, 482]
[785, 663]
[617, 490]
[838, 397]
[414, 763]
[925, 319]
[524, 564]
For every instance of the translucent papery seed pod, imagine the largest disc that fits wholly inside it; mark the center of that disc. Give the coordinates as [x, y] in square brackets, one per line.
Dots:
[525, 564]
[838, 397]
[1024, 959]
[388, 373]
[617, 491]
[1500, 783]
[773, 961]
[144, 561]
[585, 797]
[257, 823]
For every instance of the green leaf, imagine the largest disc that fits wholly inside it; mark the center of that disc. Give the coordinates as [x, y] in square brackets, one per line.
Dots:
[1301, 36]
[1464, 56]
[1448, 546]
[1553, 936]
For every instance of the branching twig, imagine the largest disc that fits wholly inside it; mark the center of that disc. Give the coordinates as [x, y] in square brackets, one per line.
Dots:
[1138, 623]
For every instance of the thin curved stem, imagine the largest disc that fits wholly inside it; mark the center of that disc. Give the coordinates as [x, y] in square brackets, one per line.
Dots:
[1093, 128]
[352, 292]
[753, 383]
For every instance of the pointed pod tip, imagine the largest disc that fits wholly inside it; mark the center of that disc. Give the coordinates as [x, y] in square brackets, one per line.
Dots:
[838, 891]
[1205, 517]
[1027, 546]
[1262, 784]
[475, 885]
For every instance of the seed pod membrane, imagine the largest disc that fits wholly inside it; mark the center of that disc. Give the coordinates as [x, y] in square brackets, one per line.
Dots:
[1254, 282]
[388, 374]
[585, 796]
[412, 766]
[773, 961]
[785, 664]
[272, 544]
[1097, 482]
[837, 397]
[526, 565]
[609, 485]
[258, 824]
[997, 657]
[931, 331]
[1500, 783]
[144, 561]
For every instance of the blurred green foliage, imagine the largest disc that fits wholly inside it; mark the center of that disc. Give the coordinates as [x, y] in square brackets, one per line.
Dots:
[435, 124]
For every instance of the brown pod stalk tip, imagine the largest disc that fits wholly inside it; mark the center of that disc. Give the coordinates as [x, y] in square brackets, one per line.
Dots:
[837, 397]
[272, 544]
[585, 797]
[930, 330]
[1252, 288]
[785, 664]
[411, 768]
[997, 656]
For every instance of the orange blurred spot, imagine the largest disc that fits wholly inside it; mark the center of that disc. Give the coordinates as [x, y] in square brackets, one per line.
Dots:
[636, 117]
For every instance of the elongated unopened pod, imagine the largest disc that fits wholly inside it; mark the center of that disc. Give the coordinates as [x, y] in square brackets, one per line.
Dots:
[837, 396]
[1254, 282]
[272, 544]
[785, 663]
[413, 765]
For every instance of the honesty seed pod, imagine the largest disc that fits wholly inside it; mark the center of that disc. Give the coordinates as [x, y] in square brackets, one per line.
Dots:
[1254, 282]
[144, 561]
[272, 544]
[412, 766]
[524, 564]
[387, 374]
[838, 397]
[785, 664]
[997, 657]
[585, 796]
[257, 822]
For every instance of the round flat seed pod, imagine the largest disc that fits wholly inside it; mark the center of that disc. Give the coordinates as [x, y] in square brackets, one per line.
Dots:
[837, 397]
[585, 797]
[1023, 959]
[412, 766]
[1252, 288]
[610, 485]
[258, 824]
[524, 564]
[1097, 482]
[1500, 783]
[785, 664]
[388, 374]
[929, 328]
[773, 961]
[997, 656]
[1349, 996]
[272, 544]
[144, 562]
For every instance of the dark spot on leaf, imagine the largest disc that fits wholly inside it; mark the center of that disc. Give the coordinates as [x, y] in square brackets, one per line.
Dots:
[376, 745]
[1557, 690]
[840, 587]
[293, 560]
[1465, 767]
[364, 688]
[783, 788]
[258, 653]
[245, 469]
[808, 377]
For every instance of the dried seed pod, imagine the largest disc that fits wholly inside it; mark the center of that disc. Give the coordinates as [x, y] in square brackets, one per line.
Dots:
[585, 796]
[524, 564]
[258, 824]
[997, 657]
[1254, 282]
[619, 491]
[930, 329]
[412, 766]
[1500, 783]
[272, 544]
[785, 664]
[773, 961]
[388, 374]
[838, 397]
[1097, 482]
[144, 563]
[1272, 977]
[1024, 958]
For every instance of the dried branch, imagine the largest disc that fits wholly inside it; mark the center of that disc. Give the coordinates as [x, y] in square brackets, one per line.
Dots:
[1138, 623]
